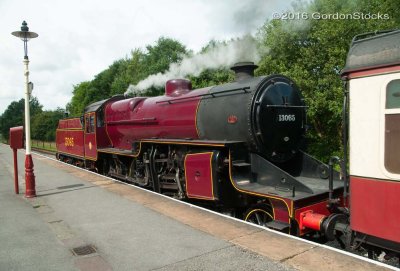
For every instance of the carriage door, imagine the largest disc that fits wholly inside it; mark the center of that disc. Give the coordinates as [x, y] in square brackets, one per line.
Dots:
[90, 136]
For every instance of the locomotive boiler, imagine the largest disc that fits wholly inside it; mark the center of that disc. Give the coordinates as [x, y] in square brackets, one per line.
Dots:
[235, 147]
[267, 114]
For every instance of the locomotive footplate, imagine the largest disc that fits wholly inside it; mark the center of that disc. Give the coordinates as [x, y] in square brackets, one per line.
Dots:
[119, 151]
[262, 177]
[290, 192]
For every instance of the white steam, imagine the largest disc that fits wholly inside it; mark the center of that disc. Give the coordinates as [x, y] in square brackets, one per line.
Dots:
[220, 56]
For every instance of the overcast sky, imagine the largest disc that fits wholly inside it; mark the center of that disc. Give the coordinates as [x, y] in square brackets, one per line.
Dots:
[79, 39]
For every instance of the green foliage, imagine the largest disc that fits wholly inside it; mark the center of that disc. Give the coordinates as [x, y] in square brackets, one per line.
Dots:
[44, 124]
[79, 98]
[159, 57]
[211, 77]
[14, 115]
[130, 72]
[123, 72]
[312, 52]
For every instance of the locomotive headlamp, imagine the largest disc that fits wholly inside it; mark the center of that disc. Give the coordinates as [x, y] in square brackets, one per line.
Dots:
[25, 35]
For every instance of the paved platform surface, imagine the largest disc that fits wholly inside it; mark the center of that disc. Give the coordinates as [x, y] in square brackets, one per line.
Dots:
[132, 229]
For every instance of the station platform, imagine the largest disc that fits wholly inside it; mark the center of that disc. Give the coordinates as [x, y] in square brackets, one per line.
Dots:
[83, 221]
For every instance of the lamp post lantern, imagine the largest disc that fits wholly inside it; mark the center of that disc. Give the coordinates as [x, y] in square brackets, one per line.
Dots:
[25, 35]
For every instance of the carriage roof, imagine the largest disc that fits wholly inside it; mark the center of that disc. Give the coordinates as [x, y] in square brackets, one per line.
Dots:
[373, 50]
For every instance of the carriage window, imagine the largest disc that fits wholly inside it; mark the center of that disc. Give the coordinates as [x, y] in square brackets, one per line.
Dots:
[393, 94]
[392, 128]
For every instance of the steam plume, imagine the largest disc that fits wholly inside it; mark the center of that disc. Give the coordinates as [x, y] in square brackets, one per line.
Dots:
[222, 55]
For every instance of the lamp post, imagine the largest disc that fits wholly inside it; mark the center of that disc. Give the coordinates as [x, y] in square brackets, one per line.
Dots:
[25, 35]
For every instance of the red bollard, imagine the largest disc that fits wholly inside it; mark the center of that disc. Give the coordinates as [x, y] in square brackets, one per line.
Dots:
[16, 172]
[30, 190]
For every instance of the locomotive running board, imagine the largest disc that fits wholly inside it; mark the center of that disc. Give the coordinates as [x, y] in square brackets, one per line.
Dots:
[118, 152]
[189, 141]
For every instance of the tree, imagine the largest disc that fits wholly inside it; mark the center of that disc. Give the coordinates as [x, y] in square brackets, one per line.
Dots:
[312, 52]
[161, 55]
[44, 124]
[211, 77]
[79, 98]
[123, 72]
[131, 72]
[14, 115]
[158, 58]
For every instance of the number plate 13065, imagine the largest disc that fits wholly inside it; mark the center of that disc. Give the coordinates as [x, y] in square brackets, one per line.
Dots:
[286, 117]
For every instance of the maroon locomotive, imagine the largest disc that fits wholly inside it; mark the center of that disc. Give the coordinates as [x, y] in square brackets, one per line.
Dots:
[235, 148]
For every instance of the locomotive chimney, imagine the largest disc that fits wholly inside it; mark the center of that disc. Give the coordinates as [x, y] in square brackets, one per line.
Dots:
[243, 70]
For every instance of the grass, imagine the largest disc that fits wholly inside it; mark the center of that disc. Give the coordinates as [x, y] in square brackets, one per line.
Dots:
[43, 145]
[37, 144]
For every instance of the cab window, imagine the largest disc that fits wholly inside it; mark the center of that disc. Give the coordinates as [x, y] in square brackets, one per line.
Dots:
[87, 130]
[89, 123]
[100, 118]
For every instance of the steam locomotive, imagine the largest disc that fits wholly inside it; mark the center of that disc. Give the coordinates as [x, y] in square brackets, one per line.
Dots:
[237, 148]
